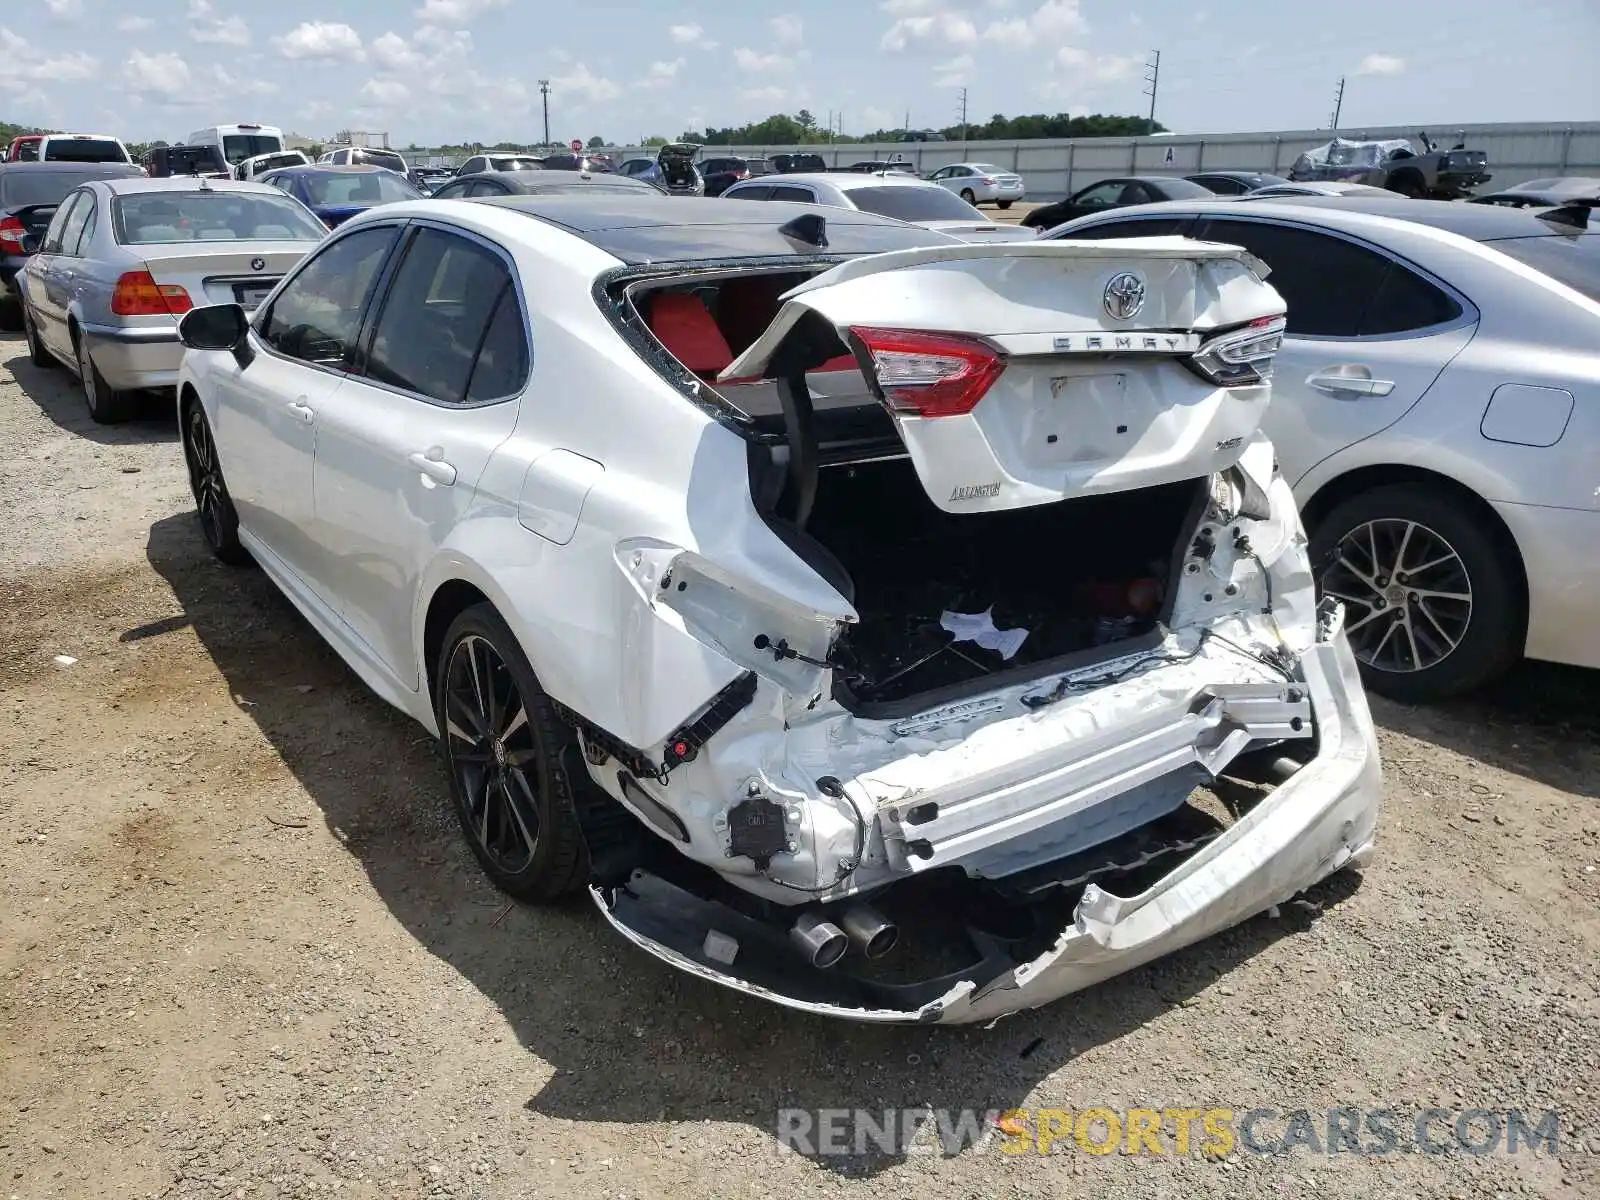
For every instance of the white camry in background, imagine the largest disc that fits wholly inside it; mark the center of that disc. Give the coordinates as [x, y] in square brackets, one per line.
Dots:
[809, 586]
[1436, 405]
[889, 194]
[981, 183]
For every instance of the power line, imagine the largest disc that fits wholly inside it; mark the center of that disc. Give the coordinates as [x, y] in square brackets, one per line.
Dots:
[1152, 78]
[1338, 105]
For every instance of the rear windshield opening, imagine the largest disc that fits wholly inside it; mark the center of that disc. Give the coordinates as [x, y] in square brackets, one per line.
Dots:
[367, 187]
[1574, 260]
[914, 204]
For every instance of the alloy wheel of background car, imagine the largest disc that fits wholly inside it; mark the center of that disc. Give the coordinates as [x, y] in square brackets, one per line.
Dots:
[969, 196]
[1430, 607]
[219, 522]
[37, 354]
[503, 741]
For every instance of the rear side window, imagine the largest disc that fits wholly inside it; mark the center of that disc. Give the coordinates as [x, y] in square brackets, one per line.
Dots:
[931, 203]
[1326, 281]
[56, 234]
[317, 315]
[72, 231]
[1405, 301]
[803, 195]
[751, 193]
[1572, 260]
[444, 304]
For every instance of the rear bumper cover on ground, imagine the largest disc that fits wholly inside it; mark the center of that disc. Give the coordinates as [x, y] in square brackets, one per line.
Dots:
[136, 357]
[1321, 820]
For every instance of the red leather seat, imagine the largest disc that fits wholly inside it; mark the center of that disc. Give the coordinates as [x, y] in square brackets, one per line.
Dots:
[683, 324]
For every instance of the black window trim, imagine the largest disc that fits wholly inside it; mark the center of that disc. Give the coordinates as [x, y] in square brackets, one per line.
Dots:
[1192, 221]
[380, 299]
[260, 343]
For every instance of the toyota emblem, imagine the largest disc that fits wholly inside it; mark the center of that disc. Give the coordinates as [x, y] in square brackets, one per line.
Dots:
[1124, 296]
[260, 264]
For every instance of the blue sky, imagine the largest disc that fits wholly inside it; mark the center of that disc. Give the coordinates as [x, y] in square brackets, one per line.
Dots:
[453, 70]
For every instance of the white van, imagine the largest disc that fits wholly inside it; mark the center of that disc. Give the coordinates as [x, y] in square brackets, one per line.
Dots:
[239, 142]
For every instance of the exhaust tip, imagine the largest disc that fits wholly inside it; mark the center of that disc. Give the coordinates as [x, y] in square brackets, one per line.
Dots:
[871, 932]
[822, 942]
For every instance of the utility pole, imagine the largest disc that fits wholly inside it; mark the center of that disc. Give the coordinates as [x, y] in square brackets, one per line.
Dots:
[1152, 79]
[963, 118]
[544, 91]
[1338, 103]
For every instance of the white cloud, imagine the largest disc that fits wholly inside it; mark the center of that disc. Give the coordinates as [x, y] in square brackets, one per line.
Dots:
[787, 30]
[455, 12]
[685, 35]
[386, 93]
[1000, 5]
[1056, 18]
[953, 72]
[771, 95]
[391, 52]
[750, 60]
[157, 76]
[907, 8]
[585, 85]
[952, 28]
[64, 8]
[1090, 69]
[1013, 33]
[1381, 64]
[134, 24]
[226, 31]
[321, 41]
[662, 74]
[25, 65]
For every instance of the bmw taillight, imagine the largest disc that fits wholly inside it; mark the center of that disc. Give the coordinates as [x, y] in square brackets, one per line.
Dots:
[137, 294]
[12, 231]
[987, 182]
[1240, 357]
[930, 374]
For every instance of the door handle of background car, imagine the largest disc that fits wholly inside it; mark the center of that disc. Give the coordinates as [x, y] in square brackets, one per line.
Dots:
[1348, 383]
[302, 410]
[432, 465]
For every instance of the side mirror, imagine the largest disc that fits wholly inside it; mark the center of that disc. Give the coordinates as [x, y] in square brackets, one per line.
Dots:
[30, 243]
[217, 327]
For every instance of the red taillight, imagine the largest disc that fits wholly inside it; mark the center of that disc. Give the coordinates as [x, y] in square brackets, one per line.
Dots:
[137, 294]
[987, 182]
[12, 231]
[930, 374]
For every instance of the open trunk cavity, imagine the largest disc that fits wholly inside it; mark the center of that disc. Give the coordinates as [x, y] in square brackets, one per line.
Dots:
[959, 603]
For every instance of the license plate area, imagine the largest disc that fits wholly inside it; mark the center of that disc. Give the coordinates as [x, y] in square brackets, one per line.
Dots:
[1079, 418]
[251, 294]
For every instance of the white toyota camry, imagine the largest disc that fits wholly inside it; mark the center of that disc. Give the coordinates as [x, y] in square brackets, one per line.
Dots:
[816, 590]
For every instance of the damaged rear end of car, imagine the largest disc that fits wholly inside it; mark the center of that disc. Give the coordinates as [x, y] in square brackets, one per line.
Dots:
[1027, 682]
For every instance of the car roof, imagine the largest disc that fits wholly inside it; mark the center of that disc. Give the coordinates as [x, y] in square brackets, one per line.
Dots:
[331, 169]
[693, 228]
[566, 180]
[136, 184]
[1478, 222]
[1233, 174]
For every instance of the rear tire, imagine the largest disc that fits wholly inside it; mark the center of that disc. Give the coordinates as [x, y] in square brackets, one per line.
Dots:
[1413, 644]
[37, 354]
[968, 195]
[106, 406]
[10, 316]
[1408, 184]
[505, 747]
[1003, 204]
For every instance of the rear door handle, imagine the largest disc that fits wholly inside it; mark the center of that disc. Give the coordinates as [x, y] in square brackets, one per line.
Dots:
[433, 466]
[1348, 383]
[303, 410]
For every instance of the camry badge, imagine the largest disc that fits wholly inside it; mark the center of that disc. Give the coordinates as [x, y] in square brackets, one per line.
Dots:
[1124, 296]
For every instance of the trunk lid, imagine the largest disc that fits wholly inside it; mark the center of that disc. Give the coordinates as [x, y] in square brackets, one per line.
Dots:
[233, 273]
[982, 231]
[1079, 355]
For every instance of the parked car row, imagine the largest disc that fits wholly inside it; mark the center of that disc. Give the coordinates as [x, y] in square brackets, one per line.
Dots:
[888, 719]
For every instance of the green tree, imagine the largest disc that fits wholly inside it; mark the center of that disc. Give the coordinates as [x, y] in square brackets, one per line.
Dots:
[596, 142]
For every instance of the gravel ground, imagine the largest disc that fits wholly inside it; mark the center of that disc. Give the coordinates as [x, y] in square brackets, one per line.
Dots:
[244, 953]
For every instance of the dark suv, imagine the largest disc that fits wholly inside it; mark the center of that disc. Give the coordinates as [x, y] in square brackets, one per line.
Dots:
[29, 196]
[722, 173]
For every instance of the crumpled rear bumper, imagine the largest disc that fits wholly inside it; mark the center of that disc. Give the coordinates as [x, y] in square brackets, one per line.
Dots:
[1322, 819]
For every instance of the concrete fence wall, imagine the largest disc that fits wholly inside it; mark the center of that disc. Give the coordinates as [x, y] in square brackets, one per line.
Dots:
[1057, 167]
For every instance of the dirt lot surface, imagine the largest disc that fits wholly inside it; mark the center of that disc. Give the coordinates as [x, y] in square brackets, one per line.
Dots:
[243, 951]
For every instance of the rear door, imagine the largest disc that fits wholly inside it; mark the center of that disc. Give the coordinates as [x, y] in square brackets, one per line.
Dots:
[1022, 373]
[401, 447]
[55, 271]
[1367, 334]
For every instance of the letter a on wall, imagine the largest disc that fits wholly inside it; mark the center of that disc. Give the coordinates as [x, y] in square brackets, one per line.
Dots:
[1168, 159]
